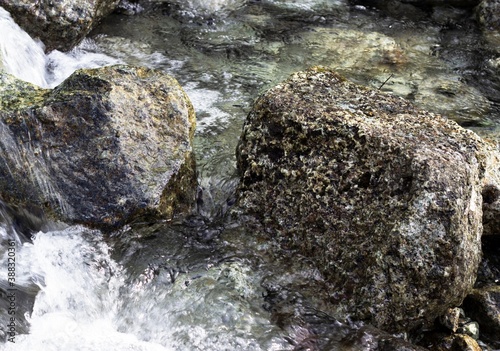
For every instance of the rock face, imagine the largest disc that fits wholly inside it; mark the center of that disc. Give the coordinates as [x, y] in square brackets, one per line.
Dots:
[60, 24]
[104, 146]
[491, 193]
[385, 199]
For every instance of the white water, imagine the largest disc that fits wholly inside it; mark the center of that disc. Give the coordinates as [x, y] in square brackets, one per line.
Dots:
[25, 58]
[85, 302]
[82, 299]
[79, 294]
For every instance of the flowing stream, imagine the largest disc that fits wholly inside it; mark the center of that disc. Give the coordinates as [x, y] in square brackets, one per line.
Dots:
[205, 284]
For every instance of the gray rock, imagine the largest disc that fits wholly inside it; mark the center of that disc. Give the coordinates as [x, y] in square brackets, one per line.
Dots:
[491, 192]
[103, 147]
[383, 198]
[488, 14]
[483, 305]
[451, 318]
[59, 24]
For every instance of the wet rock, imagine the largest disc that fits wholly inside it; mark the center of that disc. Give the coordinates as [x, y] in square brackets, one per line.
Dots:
[491, 193]
[312, 329]
[488, 14]
[383, 198]
[59, 24]
[103, 147]
[130, 8]
[470, 328]
[483, 305]
[451, 318]
[457, 342]
[455, 321]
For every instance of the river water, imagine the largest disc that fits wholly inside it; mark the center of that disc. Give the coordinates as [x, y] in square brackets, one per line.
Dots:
[205, 283]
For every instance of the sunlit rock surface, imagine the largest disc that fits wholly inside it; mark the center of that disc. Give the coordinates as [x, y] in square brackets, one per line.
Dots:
[104, 146]
[385, 199]
[60, 24]
[491, 193]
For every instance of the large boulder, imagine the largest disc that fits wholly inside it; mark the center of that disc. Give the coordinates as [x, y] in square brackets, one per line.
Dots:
[383, 198]
[103, 147]
[60, 24]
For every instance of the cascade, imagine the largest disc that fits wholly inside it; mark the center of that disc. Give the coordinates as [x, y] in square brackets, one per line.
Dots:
[24, 57]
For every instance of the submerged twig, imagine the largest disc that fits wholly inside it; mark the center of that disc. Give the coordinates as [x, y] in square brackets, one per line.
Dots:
[380, 87]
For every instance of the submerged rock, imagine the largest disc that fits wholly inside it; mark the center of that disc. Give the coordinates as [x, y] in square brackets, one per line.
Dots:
[390, 64]
[383, 198]
[488, 14]
[106, 145]
[60, 24]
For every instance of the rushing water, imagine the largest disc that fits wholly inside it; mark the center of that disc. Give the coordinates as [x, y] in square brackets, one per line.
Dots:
[206, 284]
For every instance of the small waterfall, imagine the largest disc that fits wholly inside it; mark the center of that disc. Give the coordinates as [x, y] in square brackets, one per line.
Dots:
[79, 294]
[25, 58]
[76, 296]
[22, 56]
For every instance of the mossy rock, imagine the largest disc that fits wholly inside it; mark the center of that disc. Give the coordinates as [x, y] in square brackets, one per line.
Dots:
[105, 146]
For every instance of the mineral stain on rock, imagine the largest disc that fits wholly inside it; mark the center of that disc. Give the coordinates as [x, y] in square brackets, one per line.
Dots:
[383, 198]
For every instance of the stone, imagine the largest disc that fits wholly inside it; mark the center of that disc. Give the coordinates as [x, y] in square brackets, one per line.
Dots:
[102, 148]
[59, 24]
[491, 192]
[483, 305]
[488, 14]
[470, 328]
[458, 342]
[451, 318]
[310, 329]
[383, 198]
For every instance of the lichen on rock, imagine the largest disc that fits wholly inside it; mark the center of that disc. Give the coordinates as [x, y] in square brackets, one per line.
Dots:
[105, 146]
[383, 198]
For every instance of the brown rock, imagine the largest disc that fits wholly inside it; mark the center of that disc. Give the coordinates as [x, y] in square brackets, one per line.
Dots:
[385, 199]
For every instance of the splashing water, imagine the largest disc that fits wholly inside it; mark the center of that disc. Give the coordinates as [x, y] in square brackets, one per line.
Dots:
[25, 58]
[88, 301]
[21, 55]
[204, 8]
[79, 294]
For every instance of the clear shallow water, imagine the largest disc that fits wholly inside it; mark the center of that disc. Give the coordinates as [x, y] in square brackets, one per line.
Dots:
[206, 284]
